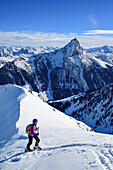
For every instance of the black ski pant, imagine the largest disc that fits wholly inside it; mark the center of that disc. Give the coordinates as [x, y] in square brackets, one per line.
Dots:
[31, 140]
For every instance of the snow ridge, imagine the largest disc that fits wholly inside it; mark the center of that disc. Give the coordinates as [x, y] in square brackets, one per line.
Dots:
[65, 145]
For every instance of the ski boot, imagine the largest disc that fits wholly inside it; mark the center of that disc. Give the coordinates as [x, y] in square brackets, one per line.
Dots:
[28, 150]
[37, 148]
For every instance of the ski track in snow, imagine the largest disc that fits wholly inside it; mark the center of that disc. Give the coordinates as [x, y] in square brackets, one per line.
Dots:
[64, 146]
[92, 155]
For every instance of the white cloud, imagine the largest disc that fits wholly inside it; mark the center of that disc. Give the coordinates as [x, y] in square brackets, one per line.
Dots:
[95, 41]
[93, 19]
[35, 39]
[98, 32]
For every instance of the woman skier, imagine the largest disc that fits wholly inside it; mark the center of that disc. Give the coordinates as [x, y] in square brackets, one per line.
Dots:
[34, 132]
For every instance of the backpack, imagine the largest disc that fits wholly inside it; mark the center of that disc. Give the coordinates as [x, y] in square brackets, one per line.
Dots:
[28, 129]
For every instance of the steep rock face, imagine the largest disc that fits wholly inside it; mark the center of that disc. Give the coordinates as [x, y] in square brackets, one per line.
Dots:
[10, 73]
[71, 70]
[58, 74]
[94, 108]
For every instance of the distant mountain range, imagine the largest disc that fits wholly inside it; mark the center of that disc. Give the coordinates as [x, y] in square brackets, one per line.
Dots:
[18, 50]
[77, 81]
[58, 74]
[104, 49]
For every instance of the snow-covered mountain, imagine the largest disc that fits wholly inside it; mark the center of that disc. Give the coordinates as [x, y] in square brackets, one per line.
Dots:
[65, 72]
[94, 108]
[67, 142]
[104, 49]
[18, 50]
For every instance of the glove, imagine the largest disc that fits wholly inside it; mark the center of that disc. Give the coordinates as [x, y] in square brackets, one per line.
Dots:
[37, 130]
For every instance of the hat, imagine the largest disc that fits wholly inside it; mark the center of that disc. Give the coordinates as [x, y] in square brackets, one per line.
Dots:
[35, 120]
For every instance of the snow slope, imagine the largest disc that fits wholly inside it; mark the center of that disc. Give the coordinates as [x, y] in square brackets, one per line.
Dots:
[66, 145]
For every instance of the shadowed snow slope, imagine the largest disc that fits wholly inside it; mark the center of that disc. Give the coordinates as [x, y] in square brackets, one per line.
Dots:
[10, 97]
[64, 143]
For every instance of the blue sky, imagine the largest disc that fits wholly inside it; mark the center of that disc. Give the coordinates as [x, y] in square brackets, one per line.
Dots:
[54, 23]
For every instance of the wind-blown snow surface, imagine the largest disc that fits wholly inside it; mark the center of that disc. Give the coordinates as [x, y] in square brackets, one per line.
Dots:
[66, 145]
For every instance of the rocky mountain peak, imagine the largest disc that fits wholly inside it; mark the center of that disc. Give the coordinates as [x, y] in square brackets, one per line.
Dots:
[65, 72]
[73, 47]
[74, 43]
